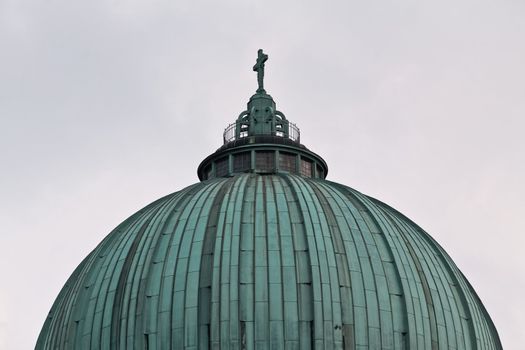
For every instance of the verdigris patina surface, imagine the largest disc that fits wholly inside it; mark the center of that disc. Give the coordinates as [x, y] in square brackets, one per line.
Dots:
[264, 253]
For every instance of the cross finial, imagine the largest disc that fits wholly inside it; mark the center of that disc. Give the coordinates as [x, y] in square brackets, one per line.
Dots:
[259, 68]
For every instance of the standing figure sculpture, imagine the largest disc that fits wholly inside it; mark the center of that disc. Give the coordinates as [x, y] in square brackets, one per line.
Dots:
[259, 68]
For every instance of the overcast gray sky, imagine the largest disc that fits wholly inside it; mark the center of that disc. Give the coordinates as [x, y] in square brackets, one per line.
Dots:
[107, 105]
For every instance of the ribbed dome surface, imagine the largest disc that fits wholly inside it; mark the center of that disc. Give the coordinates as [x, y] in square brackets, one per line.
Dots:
[268, 261]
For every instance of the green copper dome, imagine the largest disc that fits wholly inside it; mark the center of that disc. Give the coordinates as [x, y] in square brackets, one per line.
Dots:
[264, 253]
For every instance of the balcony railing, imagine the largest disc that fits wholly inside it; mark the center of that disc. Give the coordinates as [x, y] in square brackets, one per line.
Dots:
[230, 133]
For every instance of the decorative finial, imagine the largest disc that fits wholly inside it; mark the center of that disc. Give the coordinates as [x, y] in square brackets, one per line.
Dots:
[259, 68]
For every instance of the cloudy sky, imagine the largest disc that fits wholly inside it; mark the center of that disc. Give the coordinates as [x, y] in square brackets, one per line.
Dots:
[107, 105]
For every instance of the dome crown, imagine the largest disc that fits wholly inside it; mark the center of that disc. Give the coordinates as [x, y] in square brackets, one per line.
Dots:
[263, 141]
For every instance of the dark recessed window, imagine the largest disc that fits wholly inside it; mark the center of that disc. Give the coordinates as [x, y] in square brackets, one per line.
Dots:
[287, 162]
[241, 162]
[320, 172]
[306, 167]
[265, 161]
[221, 167]
[207, 172]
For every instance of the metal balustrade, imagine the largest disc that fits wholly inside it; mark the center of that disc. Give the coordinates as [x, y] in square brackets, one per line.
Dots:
[229, 134]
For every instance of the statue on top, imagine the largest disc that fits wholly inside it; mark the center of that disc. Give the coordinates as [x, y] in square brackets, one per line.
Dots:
[259, 68]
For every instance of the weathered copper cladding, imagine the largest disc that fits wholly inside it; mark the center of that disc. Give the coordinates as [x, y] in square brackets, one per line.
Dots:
[264, 253]
[273, 261]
